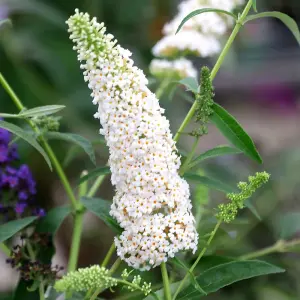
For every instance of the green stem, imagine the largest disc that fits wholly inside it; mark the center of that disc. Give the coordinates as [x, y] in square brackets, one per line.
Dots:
[84, 186]
[96, 186]
[42, 291]
[115, 266]
[95, 295]
[189, 157]
[5, 249]
[279, 246]
[108, 255]
[75, 246]
[217, 66]
[60, 172]
[165, 277]
[47, 147]
[88, 294]
[212, 235]
[112, 270]
[160, 91]
[9, 116]
[136, 294]
[11, 93]
[30, 251]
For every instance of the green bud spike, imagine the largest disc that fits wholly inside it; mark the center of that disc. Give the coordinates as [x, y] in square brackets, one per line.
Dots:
[204, 100]
[228, 212]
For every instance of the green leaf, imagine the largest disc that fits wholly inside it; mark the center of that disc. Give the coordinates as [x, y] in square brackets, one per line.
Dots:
[223, 275]
[218, 151]
[75, 150]
[204, 10]
[252, 208]
[95, 173]
[210, 182]
[182, 265]
[200, 197]
[41, 111]
[287, 20]
[85, 144]
[54, 218]
[9, 229]
[190, 83]
[27, 137]
[254, 5]
[233, 131]
[34, 286]
[288, 225]
[101, 209]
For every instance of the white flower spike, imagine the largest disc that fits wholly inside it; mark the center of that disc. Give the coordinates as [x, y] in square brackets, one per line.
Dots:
[175, 69]
[199, 36]
[152, 201]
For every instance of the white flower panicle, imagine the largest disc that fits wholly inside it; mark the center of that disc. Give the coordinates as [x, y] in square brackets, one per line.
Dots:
[210, 23]
[189, 42]
[199, 35]
[152, 201]
[176, 69]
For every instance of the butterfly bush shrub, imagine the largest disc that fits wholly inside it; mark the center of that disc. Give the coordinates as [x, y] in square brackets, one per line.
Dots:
[151, 212]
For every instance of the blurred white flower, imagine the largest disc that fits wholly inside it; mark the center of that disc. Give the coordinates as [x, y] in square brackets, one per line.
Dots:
[152, 201]
[200, 35]
[173, 69]
[187, 42]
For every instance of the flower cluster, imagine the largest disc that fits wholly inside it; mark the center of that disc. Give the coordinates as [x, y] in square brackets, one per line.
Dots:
[177, 69]
[200, 35]
[96, 277]
[228, 212]
[136, 283]
[31, 269]
[152, 202]
[47, 123]
[85, 279]
[17, 186]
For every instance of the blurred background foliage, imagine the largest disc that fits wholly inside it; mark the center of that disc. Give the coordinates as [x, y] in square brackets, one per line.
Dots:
[259, 85]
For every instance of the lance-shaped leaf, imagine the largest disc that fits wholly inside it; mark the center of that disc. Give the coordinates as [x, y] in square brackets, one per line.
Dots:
[54, 218]
[223, 275]
[74, 151]
[7, 230]
[85, 144]
[101, 209]
[193, 280]
[41, 111]
[287, 20]
[27, 137]
[190, 83]
[215, 152]
[234, 132]
[210, 182]
[95, 173]
[204, 10]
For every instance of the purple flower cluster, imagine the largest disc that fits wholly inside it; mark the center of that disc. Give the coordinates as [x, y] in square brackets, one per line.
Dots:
[17, 185]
